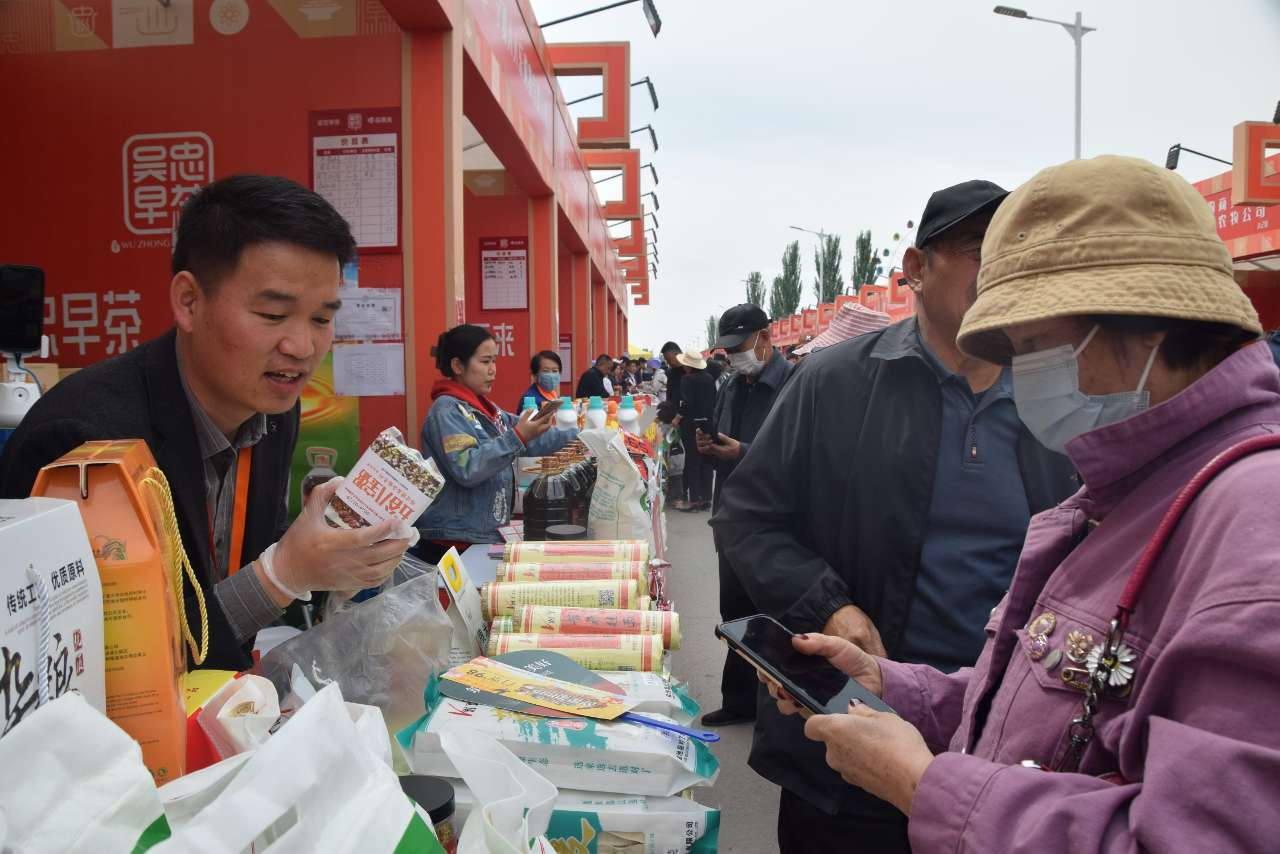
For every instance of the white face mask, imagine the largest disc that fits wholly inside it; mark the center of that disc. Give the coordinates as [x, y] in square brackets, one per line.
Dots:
[1046, 390]
[747, 362]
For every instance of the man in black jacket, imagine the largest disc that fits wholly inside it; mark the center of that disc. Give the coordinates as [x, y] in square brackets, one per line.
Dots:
[741, 407]
[256, 268]
[885, 500]
[591, 383]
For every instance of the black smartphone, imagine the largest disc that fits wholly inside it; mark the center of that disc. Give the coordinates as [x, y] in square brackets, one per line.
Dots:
[812, 681]
[547, 409]
[704, 424]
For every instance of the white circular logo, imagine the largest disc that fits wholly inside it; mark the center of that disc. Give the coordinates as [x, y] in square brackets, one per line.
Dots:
[229, 16]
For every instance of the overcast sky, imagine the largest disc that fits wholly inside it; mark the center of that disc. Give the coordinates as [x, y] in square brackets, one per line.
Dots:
[840, 116]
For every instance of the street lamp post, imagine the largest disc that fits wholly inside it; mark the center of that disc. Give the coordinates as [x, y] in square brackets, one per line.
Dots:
[1076, 30]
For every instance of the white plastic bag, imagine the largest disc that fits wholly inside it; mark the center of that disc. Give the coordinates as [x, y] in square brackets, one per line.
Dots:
[654, 694]
[320, 783]
[72, 781]
[382, 652]
[622, 501]
[514, 801]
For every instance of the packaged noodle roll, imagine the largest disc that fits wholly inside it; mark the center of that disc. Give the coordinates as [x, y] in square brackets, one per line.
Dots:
[596, 652]
[651, 692]
[502, 598]
[635, 570]
[547, 619]
[389, 481]
[576, 551]
[502, 625]
[576, 753]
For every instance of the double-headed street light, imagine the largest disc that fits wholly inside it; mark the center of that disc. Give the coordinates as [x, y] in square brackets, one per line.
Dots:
[644, 81]
[1076, 30]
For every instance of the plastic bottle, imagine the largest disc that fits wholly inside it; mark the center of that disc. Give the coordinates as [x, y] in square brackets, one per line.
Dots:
[595, 414]
[566, 415]
[628, 416]
[527, 404]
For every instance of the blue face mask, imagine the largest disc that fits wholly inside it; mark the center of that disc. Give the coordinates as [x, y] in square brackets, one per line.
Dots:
[549, 381]
[1046, 390]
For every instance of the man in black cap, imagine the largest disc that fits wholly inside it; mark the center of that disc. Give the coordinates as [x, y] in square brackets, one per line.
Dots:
[759, 372]
[885, 500]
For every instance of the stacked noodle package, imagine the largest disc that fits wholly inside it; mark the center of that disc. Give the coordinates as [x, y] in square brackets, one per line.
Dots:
[589, 600]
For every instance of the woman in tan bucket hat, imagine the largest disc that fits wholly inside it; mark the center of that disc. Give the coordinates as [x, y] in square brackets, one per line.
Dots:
[1126, 697]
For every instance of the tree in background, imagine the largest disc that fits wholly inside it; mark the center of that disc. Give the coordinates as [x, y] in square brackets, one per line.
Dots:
[827, 261]
[713, 329]
[784, 297]
[755, 289]
[865, 261]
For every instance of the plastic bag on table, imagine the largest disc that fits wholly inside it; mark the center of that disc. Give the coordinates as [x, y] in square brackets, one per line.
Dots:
[320, 783]
[382, 652]
[622, 501]
[409, 568]
[73, 781]
[514, 801]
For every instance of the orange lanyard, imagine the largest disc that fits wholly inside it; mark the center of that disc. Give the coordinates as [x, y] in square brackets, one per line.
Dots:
[244, 463]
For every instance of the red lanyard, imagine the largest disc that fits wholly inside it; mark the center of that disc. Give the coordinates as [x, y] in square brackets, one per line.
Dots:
[1110, 662]
[244, 464]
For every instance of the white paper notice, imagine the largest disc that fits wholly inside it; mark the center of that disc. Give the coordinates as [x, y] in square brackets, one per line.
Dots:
[368, 314]
[359, 175]
[368, 370]
[504, 273]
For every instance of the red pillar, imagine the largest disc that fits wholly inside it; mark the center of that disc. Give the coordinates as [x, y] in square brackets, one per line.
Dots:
[599, 320]
[544, 286]
[433, 258]
[581, 329]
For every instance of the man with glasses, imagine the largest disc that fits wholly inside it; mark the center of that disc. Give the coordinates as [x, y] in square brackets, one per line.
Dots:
[885, 500]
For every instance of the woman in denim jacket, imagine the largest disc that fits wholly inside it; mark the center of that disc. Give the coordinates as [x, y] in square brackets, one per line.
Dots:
[476, 443]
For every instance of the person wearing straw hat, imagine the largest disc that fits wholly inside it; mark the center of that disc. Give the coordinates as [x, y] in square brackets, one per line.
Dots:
[851, 319]
[1135, 651]
[885, 500]
[697, 403]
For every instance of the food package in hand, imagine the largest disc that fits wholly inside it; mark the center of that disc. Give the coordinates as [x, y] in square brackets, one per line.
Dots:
[389, 481]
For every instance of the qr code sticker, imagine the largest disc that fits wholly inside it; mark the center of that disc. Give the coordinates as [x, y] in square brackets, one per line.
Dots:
[607, 599]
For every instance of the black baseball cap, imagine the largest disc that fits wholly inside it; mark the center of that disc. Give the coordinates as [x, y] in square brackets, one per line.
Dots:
[948, 208]
[739, 322]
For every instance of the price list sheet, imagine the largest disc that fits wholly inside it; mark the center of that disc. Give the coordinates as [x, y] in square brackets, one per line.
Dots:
[355, 164]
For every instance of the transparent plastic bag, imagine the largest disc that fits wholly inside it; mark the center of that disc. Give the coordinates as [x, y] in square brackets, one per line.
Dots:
[382, 652]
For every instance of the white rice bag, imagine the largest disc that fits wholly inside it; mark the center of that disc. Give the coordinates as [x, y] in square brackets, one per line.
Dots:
[596, 823]
[655, 695]
[575, 753]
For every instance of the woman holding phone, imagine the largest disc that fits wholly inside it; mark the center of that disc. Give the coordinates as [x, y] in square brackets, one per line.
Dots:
[1126, 696]
[476, 443]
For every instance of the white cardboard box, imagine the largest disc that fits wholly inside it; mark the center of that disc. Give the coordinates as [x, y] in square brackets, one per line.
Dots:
[47, 537]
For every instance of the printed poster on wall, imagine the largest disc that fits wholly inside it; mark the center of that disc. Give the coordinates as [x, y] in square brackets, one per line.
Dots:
[355, 164]
[504, 273]
[328, 436]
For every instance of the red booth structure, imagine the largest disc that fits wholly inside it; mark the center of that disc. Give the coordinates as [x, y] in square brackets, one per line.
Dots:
[893, 298]
[437, 127]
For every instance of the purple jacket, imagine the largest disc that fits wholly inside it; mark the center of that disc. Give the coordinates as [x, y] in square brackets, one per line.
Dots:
[1197, 742]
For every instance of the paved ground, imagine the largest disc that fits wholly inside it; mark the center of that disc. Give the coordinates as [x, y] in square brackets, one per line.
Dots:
[748, 803]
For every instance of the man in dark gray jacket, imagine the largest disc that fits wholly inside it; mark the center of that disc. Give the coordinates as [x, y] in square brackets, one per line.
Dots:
[742, 405]
[885, 500]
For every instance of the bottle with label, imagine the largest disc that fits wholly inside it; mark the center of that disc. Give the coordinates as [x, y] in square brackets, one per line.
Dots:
[628, 416]
[322, 461]
[596, 414]
[566, 415]
[527, 404]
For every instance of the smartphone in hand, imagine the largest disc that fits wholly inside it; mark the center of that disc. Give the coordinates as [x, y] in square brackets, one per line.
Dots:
[812, 681]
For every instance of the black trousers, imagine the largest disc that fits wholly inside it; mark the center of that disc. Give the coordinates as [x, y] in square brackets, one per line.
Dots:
[698, 472]
[805, 829]
[738, 682]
